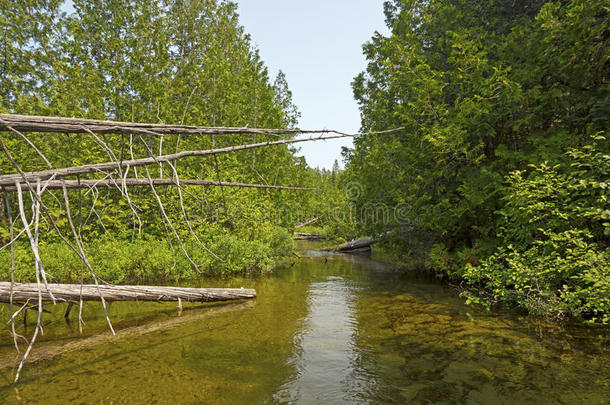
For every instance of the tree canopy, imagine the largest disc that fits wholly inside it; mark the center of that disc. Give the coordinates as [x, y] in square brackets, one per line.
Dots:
[484, 89]
[174, 62]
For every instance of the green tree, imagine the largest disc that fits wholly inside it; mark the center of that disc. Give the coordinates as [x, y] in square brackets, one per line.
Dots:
[555, 231]
[283, 99]
[481, 90]
[172, 62]
[27, 38]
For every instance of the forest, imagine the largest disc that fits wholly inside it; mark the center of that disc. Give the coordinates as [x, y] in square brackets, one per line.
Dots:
[164, 237]
[504, 161]
[502, 158]
[148, 61]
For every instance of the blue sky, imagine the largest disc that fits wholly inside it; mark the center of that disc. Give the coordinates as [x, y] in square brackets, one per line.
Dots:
[318, 44]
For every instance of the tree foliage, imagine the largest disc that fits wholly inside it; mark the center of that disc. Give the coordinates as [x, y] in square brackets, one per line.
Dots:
[554, 232]
[183, 62]
[482, 89]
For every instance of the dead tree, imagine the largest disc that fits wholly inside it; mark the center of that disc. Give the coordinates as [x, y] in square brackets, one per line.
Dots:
[118, 173]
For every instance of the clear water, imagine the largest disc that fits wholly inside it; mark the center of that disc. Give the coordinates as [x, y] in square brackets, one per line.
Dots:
[331, 329]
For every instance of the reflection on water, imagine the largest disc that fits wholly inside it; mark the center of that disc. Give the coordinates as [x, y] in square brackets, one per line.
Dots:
[325, 351]
[331, 329]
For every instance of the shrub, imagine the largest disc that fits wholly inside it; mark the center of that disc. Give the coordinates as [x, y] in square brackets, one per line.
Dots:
[147, 259]
[555, 232]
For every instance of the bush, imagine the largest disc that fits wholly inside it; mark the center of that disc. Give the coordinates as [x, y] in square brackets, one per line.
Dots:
[120, 261]
[554, 257]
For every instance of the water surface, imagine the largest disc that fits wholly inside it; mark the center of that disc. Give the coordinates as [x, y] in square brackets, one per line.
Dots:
[330, 329]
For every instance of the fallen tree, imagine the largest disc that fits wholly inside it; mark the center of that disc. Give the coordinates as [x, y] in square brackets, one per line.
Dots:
[310, 221]
[111, 183]
[10, 179]
[36, 123]
[110, 174]
[357, 245]
[76, 293]
[309, 236]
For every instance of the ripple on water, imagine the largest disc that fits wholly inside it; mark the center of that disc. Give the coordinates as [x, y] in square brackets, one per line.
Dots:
[425, 352]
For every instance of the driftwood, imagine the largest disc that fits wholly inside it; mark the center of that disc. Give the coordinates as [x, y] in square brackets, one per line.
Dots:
[309, 236]
[72, 293]
[310, 221]
[111, 183]
[357, 245]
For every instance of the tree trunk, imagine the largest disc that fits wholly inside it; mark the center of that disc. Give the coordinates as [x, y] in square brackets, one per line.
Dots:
[72, 293]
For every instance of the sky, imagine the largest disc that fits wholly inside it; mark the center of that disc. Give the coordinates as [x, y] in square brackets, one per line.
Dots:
[318, 45]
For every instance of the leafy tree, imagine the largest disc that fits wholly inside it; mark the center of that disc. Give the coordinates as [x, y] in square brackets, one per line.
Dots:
[481, 89]
[283, 98]
[555, 232]
[27, 48]
[172, 62]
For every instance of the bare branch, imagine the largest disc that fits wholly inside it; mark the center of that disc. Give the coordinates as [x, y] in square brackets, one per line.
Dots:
[168, 221]
[112, 183]
[11, 233]
[83, 257]
[6, 180]
[25, 138]
[32, 237]
[32, 123]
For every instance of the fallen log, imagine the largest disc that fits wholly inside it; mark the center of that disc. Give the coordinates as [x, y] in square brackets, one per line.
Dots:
[309, 236]
[68, 125]
[309, 222]
[72, 293]
[34, 123]
[357, 245]
[10, 179]
[88, 183]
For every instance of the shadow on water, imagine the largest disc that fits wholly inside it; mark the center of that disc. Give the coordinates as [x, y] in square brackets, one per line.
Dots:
[48, 351]
[331, 329]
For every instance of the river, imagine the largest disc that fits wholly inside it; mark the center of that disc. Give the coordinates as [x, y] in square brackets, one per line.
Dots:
[330, 329]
